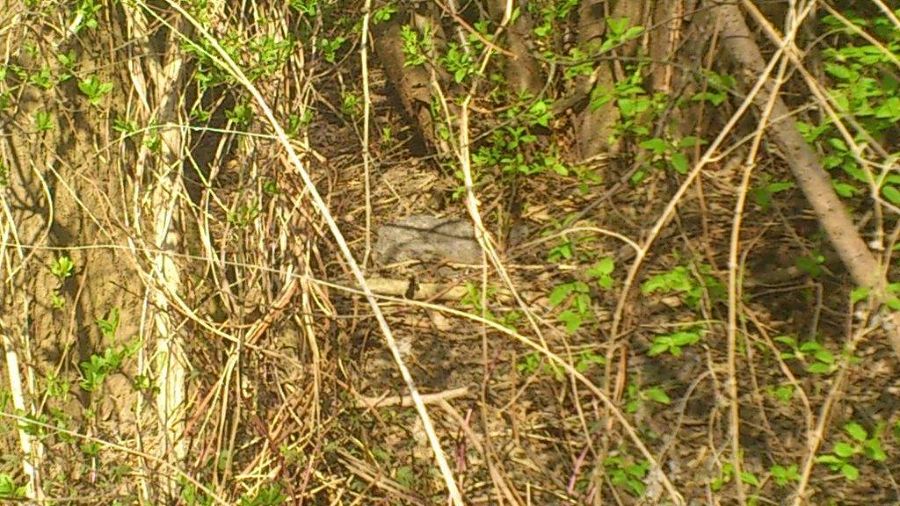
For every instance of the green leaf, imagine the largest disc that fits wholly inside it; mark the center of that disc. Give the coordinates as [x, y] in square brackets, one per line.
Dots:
[586, 359]
[563, 251]
[43, 121]
[680, 163]
[850, 168]
[630, 107]
[383, 14]
[844, 450]
[540, 111]
[604, 267]
[94, 89]
[889, 110]
[874, 451]
[684, 338]
[850, 472]
[657, 394]
[893, 303]
[656, 145]
[810, 132]
[110, 324]
[657, 349]
[571, 319]
[784, 475]
[824, 356]
[841, 72]
[677, 280]
[632, 33]
[858, 294]
[784, 393]
[811, 265]
[843, 189]
[559, 294]
[689, 142]
[8, 488]
[582, 303]
[856, 431]
[892, 194]
[638, 470]
[829, 460]
[600, 96]
[838, 144]
[617, 25]
[786, 340]
[63, 267]
[819, 368]
[714, 98]
[810, 347]
[749, 478]
[405, 476]
[632, 406]
[779, 186]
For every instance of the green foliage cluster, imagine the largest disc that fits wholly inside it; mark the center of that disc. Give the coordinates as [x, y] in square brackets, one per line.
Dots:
[865, 91]
[684, 283]
[860, 443]
[575, 296]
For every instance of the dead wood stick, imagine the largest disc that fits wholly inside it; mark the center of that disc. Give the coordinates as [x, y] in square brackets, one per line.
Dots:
[405, 401]
[806, 167]
[421, 291]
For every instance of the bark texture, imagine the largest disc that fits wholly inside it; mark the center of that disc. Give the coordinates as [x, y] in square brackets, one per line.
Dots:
[410, 82]
[523, 73]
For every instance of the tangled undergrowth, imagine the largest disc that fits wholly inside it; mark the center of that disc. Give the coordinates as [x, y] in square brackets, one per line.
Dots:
[195, 312]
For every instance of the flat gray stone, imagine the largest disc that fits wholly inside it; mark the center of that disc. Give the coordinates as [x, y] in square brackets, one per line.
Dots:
[427, 239]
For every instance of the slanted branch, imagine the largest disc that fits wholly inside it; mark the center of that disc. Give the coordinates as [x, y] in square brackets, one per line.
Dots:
[805, 165]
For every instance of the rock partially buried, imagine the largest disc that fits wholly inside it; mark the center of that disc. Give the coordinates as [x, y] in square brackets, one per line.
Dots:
[427, 239]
